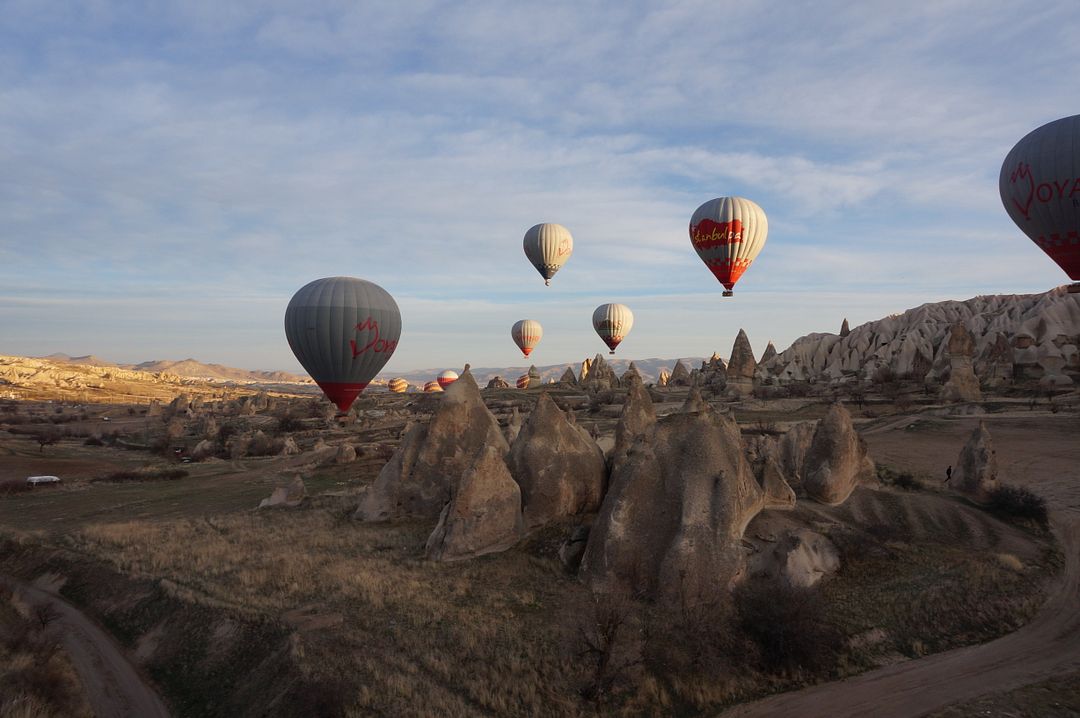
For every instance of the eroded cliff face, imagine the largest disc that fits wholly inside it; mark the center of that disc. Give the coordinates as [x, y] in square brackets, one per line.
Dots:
[1015, 337]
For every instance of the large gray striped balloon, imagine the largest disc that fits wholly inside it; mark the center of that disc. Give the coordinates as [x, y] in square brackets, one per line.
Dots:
[1040, 188]
[343, 330]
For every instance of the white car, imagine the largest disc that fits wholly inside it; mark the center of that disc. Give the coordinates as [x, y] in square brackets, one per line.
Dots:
[35, 480]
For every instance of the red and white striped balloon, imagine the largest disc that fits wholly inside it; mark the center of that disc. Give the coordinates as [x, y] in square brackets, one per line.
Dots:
[527, 333]
[612, 322]
[728, 234]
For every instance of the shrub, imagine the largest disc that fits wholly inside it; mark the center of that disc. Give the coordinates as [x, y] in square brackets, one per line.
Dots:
[143, 475]
[1016, 502]
[93, 441]
[904, 480]
[287, 424]
[788, 628]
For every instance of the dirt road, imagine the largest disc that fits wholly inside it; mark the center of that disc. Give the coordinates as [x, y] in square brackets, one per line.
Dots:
[1049, 645]
[114, 688]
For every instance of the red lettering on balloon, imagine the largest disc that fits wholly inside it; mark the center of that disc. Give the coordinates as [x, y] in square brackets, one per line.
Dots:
[1075, 187]
[1039, 192]
[1023, 171]
[377, 344]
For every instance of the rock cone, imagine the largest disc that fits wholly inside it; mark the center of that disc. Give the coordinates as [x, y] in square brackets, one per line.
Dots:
[976, 473]
[837, 460]
[418, 478]
[559, 467]
[484, 513]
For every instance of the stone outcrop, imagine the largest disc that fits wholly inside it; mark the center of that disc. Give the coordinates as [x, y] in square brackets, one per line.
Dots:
[672, 520]
[741, 367]
[976, 472]
[799, 557]
[203, 450]
[346, 454]
[792, 450]
[844, 329]
[769, 354]
[484, 513]
[637, 418]
[418, 478]
[630, 375]
[585, 364]
[497, 382]
[778, 494]
[663, 377]
[680, 375]
[288, 447]
[600, 377]
[288, 496]
[913, 344]
[568, 377]
[962, 385]
[837, 460]
[557, 464]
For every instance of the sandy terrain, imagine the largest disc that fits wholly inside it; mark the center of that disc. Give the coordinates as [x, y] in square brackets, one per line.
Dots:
[1037, 450]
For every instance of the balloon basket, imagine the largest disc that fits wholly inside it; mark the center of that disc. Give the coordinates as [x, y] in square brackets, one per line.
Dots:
[728, 293]
[611, 352]
[1073, 288]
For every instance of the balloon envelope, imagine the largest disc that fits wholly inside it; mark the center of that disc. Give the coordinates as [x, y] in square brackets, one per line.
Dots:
[527, 333]
[523, 381]
[728, 233]
[1040, 188]
[398, 385]
[432, 386]
[612, 322]
[548, 246]
[447, 378]
[343, 330]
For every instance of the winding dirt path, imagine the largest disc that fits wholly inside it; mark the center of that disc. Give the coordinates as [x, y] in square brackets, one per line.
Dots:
[113, 687]
[1047, 646]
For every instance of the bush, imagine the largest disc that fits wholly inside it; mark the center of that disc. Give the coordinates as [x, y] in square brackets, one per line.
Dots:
[287, 424]
[143, 475]
[13, 486]
[93, 441]
[787, 626]
[904, 480]
[1016, 502]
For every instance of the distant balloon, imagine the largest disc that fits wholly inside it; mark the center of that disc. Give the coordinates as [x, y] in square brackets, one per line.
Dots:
[398, 385]
[527, 333]
[523, 381]
[612, 322]
[343, 330]
[432, 386]
[548, 246]
[728, 233]
[1040, 188]
[447, 378]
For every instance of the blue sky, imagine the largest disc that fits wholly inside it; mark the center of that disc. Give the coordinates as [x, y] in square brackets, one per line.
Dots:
[170, 173]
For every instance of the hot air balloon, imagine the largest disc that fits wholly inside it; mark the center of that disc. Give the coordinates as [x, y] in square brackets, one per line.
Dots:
[398, 385]
[527, 333]
[432, 386]
[447, 378]
[1040, 188]
[343, 330]
[548, 246]
[523, 381]
[612, 322]
[728, 233]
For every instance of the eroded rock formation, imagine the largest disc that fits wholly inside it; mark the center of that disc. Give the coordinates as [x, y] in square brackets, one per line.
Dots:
[976, 473]
[837, 460]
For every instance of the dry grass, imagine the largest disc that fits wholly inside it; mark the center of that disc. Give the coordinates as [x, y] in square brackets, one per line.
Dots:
[36, 678]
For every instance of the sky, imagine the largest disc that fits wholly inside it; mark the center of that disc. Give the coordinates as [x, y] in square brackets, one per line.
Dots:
[172, 172]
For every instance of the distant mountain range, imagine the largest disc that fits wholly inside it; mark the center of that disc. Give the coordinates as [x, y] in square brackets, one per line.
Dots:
[186, 368]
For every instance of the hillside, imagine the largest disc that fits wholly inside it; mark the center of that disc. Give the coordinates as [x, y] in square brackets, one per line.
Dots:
[1017, 336]
[648, 368]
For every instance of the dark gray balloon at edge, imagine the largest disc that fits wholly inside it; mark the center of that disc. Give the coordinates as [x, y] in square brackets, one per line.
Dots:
[343, 330]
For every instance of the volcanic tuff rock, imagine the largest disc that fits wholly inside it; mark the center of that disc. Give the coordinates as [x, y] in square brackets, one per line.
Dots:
[740, 370]
[680, 375]
[630, 375]
[346, 454]
[800, 557]
[671, 522]
[778, 494]
[663, 378]
[770, 352]
[418, 478]
[568, 377]
[557, 464]
[498, 383]
[288, 496]
[844, 329]
[837, 460]
[484, 513]
[600, 376]
[637, 418]
[910, 344]
[976, 473]
[962, 385]
[203, 450]
[791, 453]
